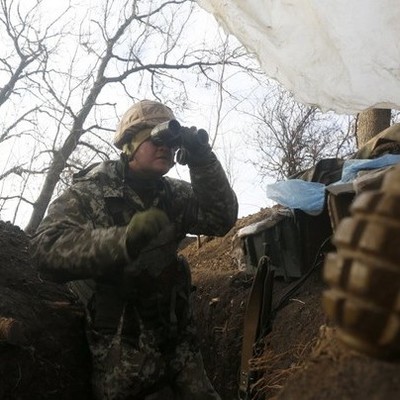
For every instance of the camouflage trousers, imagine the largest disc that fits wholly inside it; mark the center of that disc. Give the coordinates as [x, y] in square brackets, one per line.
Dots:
[140, 369]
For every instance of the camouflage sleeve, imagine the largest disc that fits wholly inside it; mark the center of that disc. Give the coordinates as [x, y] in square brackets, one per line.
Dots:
[215, 208]
[68, 245]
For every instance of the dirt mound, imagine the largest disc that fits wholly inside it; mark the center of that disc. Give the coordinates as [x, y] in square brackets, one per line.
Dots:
[43, 351]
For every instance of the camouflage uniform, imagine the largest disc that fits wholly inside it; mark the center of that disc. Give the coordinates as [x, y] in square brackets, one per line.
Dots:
[140, 327]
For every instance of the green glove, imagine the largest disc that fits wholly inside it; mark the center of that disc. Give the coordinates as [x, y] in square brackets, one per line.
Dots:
[143, 227]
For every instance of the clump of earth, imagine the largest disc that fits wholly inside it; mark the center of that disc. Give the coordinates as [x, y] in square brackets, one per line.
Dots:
[43, 353]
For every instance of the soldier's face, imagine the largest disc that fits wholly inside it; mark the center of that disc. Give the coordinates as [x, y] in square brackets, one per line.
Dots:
[151, 161]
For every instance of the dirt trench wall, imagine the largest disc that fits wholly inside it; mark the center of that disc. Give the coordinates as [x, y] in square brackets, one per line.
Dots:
[42, 347]
[43, 353]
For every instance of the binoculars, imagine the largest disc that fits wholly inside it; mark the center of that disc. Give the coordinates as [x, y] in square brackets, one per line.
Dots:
[172, 134]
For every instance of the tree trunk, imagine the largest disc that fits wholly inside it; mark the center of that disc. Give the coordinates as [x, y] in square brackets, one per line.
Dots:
[370, 123]
[59, 161]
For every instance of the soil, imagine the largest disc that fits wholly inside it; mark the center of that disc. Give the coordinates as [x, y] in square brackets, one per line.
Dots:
[43, 353]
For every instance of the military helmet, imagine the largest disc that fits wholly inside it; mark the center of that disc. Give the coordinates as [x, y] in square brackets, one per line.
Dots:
[143, 115]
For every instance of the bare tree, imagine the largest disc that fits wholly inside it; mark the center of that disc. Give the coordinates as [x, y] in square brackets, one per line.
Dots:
[26, 45]
[26, 48]
[129, 50]
[291, 137]
[23, 52]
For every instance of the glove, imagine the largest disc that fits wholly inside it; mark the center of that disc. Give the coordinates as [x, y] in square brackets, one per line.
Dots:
[195, 149]
[153, 259]
[143, 227]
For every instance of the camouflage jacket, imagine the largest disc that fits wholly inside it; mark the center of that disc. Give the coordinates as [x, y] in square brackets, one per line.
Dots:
[84, 233]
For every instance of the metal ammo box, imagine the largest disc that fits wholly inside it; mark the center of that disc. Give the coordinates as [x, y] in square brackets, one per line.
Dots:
[290, 238]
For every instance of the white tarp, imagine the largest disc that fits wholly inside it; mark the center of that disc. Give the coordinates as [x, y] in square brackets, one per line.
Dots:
[342, 55]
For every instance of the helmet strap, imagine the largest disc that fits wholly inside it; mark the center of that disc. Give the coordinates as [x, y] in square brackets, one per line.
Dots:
[138, 138]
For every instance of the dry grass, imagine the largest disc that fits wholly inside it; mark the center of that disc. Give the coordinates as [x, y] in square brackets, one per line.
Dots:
[274, 371]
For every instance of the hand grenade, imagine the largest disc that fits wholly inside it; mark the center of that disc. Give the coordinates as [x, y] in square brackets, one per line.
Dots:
[364, 273]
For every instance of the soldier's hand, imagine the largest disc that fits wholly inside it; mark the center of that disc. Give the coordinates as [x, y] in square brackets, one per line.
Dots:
[195, 148]
[143, 227]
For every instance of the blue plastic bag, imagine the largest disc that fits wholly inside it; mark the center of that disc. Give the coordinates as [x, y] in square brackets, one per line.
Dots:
[296, 193]
[352, 167]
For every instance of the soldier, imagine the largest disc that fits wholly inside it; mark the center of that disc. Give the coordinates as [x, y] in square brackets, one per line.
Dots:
[114, 234]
